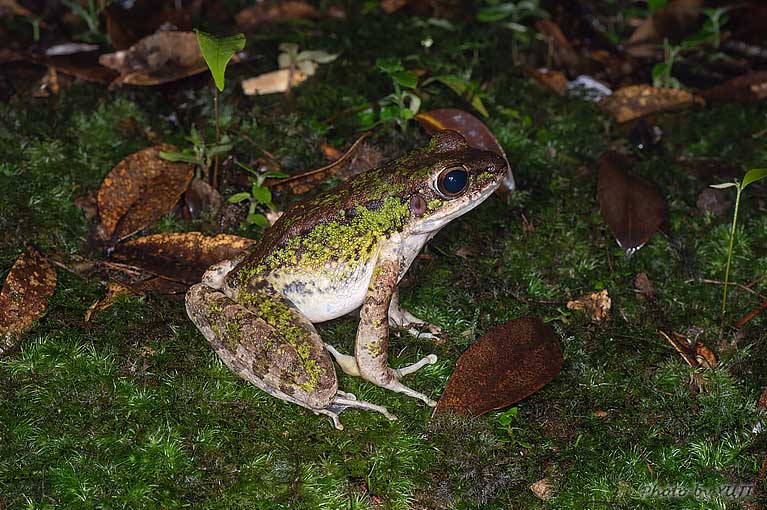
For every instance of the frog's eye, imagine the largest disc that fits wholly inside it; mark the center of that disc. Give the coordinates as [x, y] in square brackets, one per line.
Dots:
[453, 181]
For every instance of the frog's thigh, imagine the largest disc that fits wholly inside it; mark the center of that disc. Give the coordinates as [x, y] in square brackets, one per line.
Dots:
[271, 345]
[399, 317]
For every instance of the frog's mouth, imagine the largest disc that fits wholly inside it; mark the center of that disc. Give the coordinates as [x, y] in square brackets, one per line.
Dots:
[453, 209]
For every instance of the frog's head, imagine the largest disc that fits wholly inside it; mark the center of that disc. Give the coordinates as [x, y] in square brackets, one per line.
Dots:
[449, 178]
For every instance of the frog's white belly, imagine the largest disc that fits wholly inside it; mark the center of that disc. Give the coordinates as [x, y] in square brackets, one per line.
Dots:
[337, 289]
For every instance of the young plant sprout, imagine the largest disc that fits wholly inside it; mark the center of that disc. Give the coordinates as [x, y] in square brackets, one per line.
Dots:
[750, 177]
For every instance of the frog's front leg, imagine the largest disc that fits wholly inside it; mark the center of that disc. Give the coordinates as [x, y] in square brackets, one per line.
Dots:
[370, 349]
[401, 318]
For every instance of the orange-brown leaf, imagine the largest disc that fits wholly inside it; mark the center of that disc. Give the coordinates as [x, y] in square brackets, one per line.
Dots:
[138, 191]
[510, 362]
[181, 257]
[635, 101]
[24, 296]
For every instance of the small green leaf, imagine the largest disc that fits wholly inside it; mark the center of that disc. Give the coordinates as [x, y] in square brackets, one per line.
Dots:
[262, 195]
[217, 53]
[178, 156]
[724, 185]
[405, 78]
[239, 197]
[753, 176]
[389, 65]
[275, 175]
[258, 220]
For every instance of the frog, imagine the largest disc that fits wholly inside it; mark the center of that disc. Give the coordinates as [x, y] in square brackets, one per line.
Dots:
[344, 250]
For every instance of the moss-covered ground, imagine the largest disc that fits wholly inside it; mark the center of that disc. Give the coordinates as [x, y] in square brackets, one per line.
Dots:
[134, 410]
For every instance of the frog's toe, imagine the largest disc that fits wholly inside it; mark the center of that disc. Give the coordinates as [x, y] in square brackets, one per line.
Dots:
[343, 402]
[409, 369]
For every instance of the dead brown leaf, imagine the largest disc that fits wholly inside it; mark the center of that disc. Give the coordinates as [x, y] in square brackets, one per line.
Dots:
[158, 58]
[643, 285]
[200, 197]
[273, 82]
[12, 8]
[554, 81]
[713, 201]
[510, 362]
[632, 207]
[596, 305]
[24, 297]
[675, 21]
[543, 489]
[560, 48]
[128, 22]
[181, 257]
[114, 290]
[750, 88]
[138, 191]
[307, 181]
[635, 101]
[275, 11]
[693, 352]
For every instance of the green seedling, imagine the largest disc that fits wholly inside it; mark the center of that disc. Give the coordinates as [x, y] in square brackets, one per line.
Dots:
[306, 61]
[750, 177]
[403, 104]
[510, 15]
[217, 52]
[89, 13]
[463, 87]
[506, 421]
[259, 196]
[200, 154]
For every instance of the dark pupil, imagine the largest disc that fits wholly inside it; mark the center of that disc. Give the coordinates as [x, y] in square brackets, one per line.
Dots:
[455, 181]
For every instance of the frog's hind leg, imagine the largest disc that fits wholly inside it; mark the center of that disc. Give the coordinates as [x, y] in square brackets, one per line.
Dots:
[401, 318]
[272, 346]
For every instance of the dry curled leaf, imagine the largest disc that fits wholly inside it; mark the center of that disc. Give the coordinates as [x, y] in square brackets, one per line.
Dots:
[348, 164]
[596, 305]
[560, 48]
[675, 21]
[543, 489]
[632, 207]
[181, 257]
[114, 290]
[24, 296]
[158, 58]
[273, 82]
[750, 88]
[473, 130]
[275, 11]
[138, 191]
[510, 362]
[635, 101]
[554, 81]
[693, 352]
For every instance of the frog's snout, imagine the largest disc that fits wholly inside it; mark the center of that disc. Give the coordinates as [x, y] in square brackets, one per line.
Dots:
[499, 164]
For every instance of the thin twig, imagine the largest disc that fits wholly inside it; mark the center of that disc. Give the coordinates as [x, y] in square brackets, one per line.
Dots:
[750, 315]
[739, 285]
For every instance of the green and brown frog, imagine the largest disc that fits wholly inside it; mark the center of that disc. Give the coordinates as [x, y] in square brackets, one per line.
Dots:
[345, 249]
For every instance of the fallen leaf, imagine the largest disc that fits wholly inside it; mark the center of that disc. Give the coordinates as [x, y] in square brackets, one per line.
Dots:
[114, 290]
[158, 58]
[24, 296]
[12, 8]
[273, 82]
[200, 197]
[632, 207]
[510, 362]
[159, 285]
[181, 257]
[560, 48]
[693, 352]
[83, 65]
[138, 191]
[675, 21]
[128, 22]
[543, 489]
[48, 84]
[473, 130]
[635, 101]
[307, 181]
[643, 285]
[750, 88]
[596, 304]
[330, 152]
[750, 315]
[554, 81]
[275, 11]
